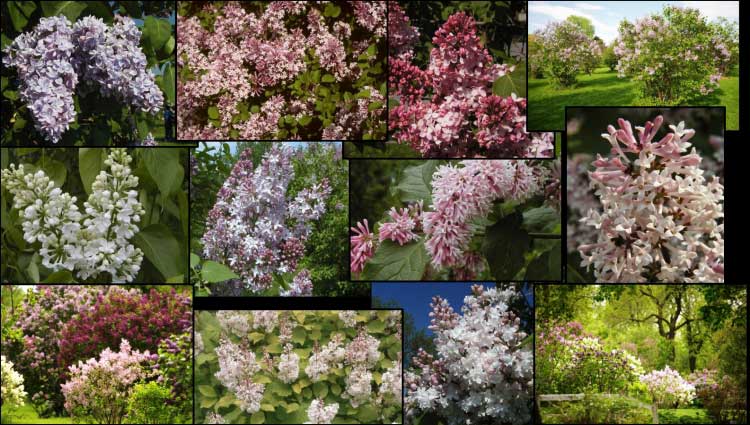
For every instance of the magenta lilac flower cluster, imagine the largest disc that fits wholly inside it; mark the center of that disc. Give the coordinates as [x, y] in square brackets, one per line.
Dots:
[285, 61]
[259, 230]
[54, 57]
[449, 110]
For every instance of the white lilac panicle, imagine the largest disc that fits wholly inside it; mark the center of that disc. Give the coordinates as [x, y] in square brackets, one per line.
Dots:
[13, 392]
[319, 413]
[92, 243]
[233, 321]
[288, 365]
[237, 366]
[483, 368]
[661, 219]
[258, 230]
[54, 57]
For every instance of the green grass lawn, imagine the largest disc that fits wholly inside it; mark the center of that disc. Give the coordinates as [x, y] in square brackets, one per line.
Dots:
[26, 415]
[546, 108]
[684, 416]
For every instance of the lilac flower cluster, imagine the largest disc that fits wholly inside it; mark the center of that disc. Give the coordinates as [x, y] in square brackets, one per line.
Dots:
[661, 219]
[258, 230]
[483, 370]
[565, 51]
[668, 388]
[52, 58]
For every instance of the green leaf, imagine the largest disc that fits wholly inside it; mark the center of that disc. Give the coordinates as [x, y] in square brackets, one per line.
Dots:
[542, 219]
[194, 260]
[176, 279]
[320, 389]
[279, 388]
[328, 78]
[161, 248]
[207, 391]
[33, 270]
[258, 418]
[164, 167]
[90, 163]
[62, 276]
[100, 9]
[332, 11]
[335, 389]
[213, 113]
[514, 82]
[292, 407]
[56, 171]
[504, 246]
[20, 12]
[167, 84]
[416, 183]
[214, 272]
[225, 401]
[298, 335]
[394, 262]
[168, 47]
[364, 94]
[71, 9]
[132, 8]
[267, 407]
[546, 266]
[305, 120]
[374, 105]
[156, 33]
[376, 326]
[367, 414]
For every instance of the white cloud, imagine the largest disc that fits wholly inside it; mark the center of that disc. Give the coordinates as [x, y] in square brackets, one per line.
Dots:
[589, 6]
[716, 9]
[559, 13]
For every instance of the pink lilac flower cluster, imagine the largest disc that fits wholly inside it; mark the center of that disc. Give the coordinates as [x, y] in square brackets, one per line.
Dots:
[99, 388]
[246, 56]
[661, 219]
[668, 388]
[53, 57]
[483, 370]
[463, 118]
[706, 379]
[256, 228]
[460, 194]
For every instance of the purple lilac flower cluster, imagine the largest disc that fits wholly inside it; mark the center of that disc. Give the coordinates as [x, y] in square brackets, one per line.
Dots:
[52, 57]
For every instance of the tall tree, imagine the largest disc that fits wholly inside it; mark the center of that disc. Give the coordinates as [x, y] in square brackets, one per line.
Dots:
[584, 23]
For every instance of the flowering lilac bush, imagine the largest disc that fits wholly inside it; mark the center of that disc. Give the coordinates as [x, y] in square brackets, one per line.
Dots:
[571, 361]
[564, 50]
[668, 388]
[452, 109]
[12, 392]
[675, 55]
[299, 70]
[661, 219]
[259, 230]
[64, 65]
[58, 326]
[98, 389]
[483, 373]
[298, 366]
[458, 217]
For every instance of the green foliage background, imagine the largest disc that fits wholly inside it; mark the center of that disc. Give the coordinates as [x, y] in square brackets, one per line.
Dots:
[162, 187]
[99, 121]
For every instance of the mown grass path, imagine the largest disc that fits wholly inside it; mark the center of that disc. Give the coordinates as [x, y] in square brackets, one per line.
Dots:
[26, 415]
[546, 108]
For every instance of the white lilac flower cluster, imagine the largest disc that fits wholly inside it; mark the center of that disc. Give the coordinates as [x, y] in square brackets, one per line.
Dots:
[667, 387]
[319, 413]
[484, 371]
[52, 58]
[13, 393]
[256, 229]
[238, 362]
[661, 219]
[91, 243]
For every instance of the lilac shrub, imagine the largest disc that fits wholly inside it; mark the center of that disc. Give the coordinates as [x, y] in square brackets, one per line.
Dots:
[565, 51]
[53, 58]
[675, 55]
[668, 388]
[661, 219]
[281, 70]
[259, 230]
[484, 371]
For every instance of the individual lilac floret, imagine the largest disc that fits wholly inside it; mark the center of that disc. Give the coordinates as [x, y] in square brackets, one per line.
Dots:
[661, 219]
[42, 59]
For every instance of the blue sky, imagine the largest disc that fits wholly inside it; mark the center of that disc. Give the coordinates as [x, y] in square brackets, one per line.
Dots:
[415, 297]
[606, 15]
